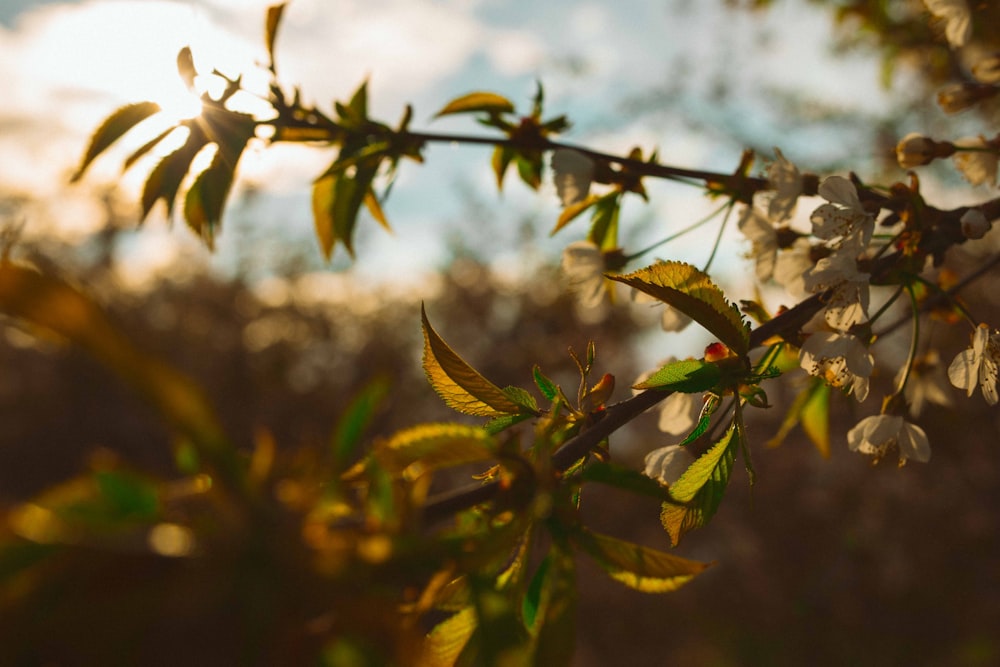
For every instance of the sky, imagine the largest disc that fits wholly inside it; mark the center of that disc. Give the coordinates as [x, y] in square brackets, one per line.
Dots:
[692, 78]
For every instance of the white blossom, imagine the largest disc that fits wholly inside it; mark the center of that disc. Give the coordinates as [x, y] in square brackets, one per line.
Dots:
[848, 304]
[572, 174]
[878, 434]
[786, 180]
[840, 359]
[764, 239]
[583, 265]
[925, 384]
[671, 319]
[987, 69]
[843, 217]
[977, 365]
[791, 265]
[667, 464]
[957, 18]
[975, 224]
[915, 150]
[978, 167]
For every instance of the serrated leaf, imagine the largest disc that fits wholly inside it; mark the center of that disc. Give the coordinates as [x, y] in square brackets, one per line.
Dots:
[166, 177]
[692, 292]
[274, 14]
[503, 422]
[545, 385]
[572, 211]
[522, 397]
[640, 568]
[445, 642]
[112, 129]
[689, 376]
[700, 488]
[627, 479]
[421, 449]
[460, 386]
[477, 102]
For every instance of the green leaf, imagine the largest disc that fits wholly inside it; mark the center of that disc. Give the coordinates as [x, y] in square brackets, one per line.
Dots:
[627, 479]
[355, 419]
[130, 496]
[503, 422]
[700, 488]
[445, 642]
[692, 292]
[641, 568]
[529, 168]
[274, 13]
[336, 201]
[421, 449]
[477, 102]
[502, 156]
[604, 221]
[704, 419]
[165, 179]
[460, 386]
[689, 376]
[112, 129]
[522, 397]
[545, 385]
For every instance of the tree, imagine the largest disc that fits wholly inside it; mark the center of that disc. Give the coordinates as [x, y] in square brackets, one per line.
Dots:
[353, 553]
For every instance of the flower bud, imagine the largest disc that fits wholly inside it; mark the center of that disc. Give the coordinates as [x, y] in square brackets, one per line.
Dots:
[915, 150]
[975, 224]
[960, 96]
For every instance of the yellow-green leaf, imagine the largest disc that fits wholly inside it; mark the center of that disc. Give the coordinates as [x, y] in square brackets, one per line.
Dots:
[572, 211]
[699, 490]
[421, 449]
[445, 642]
[641, 568]
[460, 386]
[165, 179]
[811, 408]
[692, 292]
[375, 208]
[478, 101]
[112, 129]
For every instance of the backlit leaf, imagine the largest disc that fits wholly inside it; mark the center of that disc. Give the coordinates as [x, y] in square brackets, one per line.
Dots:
[416, 451]
[274, 13]
[165, 179]
[457, 383]
[445, 642]
[692, 292]
[572, 211]
[356, 418]
[545, 385]
[206, 199]
[604, 221]
[185, 67]
[476, 102]
[811, 408]
[690, 376]
[701, 487]
[502, 156]
[336, 201]
[641, 568]
[112, 129]
[553, 621]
